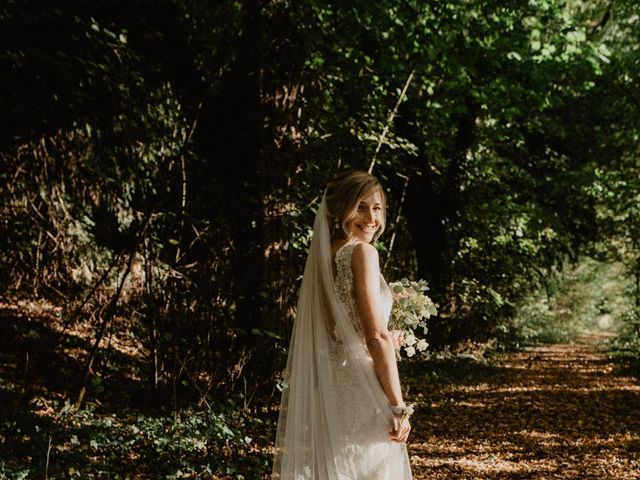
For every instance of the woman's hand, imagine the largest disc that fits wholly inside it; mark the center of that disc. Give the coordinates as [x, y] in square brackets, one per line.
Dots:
[401, 429]
[398, 338]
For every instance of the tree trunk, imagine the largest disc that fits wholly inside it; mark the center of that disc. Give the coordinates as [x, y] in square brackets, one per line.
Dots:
[433, 204]
[228, 136]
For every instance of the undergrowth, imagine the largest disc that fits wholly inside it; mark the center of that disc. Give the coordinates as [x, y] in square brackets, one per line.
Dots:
[590, 297]
[56, 441]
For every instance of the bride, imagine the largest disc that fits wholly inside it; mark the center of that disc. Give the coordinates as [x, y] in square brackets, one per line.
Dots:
[342, 416]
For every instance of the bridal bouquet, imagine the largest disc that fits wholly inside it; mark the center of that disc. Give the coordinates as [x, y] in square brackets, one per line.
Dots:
[411, 309]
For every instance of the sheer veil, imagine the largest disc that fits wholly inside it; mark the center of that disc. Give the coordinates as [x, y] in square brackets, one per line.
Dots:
[328, 364]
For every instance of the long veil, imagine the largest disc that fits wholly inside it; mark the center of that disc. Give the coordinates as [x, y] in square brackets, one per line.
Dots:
[328, 364]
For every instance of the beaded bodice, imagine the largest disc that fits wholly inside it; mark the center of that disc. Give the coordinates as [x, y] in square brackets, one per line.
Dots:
[345, 288]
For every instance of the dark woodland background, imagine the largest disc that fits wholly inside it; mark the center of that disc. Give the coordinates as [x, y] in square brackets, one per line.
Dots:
[161, 164]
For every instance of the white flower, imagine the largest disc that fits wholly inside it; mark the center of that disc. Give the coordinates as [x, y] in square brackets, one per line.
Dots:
[410, 351]
[410, 340]
[422, 345]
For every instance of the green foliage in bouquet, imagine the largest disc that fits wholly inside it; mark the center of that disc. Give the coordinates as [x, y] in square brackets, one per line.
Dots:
[411, 310]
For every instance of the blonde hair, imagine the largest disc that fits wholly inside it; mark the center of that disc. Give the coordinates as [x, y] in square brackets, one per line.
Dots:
[343, 195]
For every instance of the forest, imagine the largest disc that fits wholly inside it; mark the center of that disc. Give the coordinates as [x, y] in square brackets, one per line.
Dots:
[161, 164]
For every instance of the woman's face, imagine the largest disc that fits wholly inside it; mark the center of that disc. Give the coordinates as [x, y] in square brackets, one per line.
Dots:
[367, 219]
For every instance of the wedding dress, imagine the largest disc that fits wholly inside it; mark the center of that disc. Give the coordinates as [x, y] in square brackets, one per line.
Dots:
[334, 416]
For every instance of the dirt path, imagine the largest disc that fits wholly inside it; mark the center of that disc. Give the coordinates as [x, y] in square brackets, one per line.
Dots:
[557, 411]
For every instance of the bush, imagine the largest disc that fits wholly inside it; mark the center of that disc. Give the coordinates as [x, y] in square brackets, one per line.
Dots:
[189, 444]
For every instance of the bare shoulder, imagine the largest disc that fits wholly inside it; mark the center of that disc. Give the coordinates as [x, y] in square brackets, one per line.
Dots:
[364, 257]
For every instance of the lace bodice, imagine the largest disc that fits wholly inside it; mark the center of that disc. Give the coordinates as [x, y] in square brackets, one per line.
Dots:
[365, 426]
[345, 288]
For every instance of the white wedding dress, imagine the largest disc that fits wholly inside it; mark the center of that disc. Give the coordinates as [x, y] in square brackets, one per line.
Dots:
[335, 419]
[372, 454]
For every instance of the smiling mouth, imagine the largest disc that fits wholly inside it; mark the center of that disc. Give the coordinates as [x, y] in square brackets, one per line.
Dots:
[367, 229]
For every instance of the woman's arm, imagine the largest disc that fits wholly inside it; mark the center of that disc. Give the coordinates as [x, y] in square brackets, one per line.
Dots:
[366, 279]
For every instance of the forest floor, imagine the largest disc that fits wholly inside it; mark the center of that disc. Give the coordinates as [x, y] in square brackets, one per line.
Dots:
[556, 411]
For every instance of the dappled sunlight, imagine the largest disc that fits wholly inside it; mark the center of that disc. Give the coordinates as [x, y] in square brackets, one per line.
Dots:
[476, 465]
[59, 344]
[561, 388]
[557, 411]
[49, 315]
